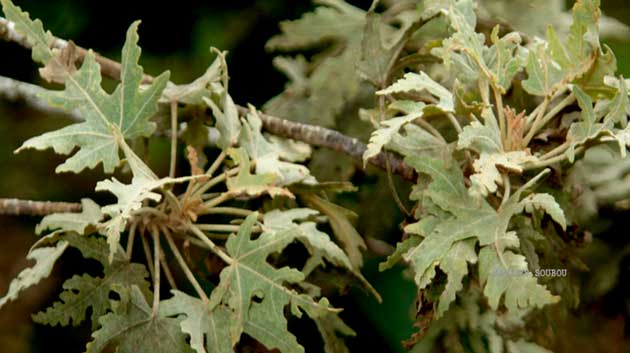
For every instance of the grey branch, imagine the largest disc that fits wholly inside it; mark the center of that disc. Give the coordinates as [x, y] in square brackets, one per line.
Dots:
[310, 134]
[320, 136]
[16, 207]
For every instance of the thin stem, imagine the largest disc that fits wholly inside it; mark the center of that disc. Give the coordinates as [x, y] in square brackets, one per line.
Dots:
[550, 161]
[223, 228]
[557, 150]
[483, 91]
[132, 237]
[568, 100]
[454, 122]
[506, 188]
[430, 129]
[500, 114]
[541, 109]
[216, 201]
[150, 210]
[184, 266]
[216, 180]
[156, 274]
[199, 233]
[173, 166]
[217, 162]
[147, 253]
[235, 211]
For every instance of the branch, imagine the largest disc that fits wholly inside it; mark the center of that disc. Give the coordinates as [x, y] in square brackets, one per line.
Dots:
[310, 134]
[16, 207]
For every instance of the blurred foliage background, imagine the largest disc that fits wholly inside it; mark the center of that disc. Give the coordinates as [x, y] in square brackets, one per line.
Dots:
[177, 36]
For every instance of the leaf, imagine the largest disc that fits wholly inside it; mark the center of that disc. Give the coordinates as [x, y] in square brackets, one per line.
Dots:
[522, 346]
[487, 175]
[343, 229]
[225, 111]
[317, 242]
[331, 327]
[486, 141]
[466, 51]
[133, 328]
[109, 119]
[384, 134]
[249, 275]
[267, 155]
[45, 259]
[587, 128]
[33, 30]
[415, 140]
[422, 82]
[509, 275]
[207, 326]
[72, 222]
[397, 256]
[544, 75]
[130, 198]
[481, 138]
[82, 292]
[252, 184]
[194, 92]
[310, 97]
[546, 203]
[455, 266]
[382, 44]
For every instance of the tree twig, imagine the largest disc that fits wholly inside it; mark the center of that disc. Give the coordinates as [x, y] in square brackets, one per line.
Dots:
[17, 207]
[310, 134]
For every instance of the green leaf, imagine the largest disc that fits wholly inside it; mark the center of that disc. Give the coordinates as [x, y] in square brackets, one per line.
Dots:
[509, 276]
[130, 198]
[481, 138]
[193, 93]
[502, 61]
[267, 155]
[109, 119]
[83, 292]
[544, 76]
[249, 275]
[317, 242]
[343, 229]
[45, 259]
[91, 215]
[455, 266]
[252, 184]
[33, 30]
[310, 97]
[419, 83]
[224, 110]
[133, 328]
[384, 134]
[546, 203]
[415, 140]
[207, 326]
[587, 128]
[331, 327]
